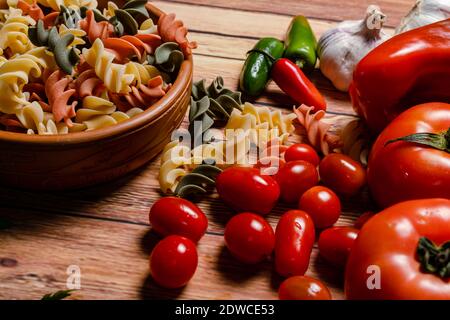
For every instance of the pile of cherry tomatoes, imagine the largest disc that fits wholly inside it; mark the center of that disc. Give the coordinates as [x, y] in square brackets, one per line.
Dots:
[250, 238]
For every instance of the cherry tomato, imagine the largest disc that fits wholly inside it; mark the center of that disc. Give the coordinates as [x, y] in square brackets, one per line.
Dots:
[295, 178]
[323, 206]
[294, 239]
[173, 261]
[244, 189]
[249, 237]
[362, 219]
[303, 288]
[177, 216]
[335, 244]
[342, 174]
[301, 151]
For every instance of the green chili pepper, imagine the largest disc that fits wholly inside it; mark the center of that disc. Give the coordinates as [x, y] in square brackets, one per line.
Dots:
[301, 44]
[256, 71]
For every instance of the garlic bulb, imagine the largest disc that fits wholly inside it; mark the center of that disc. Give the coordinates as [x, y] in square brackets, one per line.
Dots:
[340, 49]
[424, 12]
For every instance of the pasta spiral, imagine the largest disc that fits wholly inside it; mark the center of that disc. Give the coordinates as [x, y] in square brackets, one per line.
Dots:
[266, 124]
[128, 46]
[33, 118]
[14, 74]
[14, 32]
[317, 131]
[175, 162]
[56, 4]
[95, 30]
[58, 94]
[113, 75]
[172, 30]
[32, 9]
[98, 112]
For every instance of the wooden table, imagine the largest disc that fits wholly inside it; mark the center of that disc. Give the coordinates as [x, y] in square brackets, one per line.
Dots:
[105, 231]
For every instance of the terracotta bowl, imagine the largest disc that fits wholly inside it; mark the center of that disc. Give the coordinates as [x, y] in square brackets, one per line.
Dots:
[82, 159]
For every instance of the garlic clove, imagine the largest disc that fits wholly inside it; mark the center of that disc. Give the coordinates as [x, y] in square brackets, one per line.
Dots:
[341, 48]
[424, 12]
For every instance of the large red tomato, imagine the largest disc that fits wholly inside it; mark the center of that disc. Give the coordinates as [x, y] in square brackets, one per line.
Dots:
[402, 253]
[404, 170]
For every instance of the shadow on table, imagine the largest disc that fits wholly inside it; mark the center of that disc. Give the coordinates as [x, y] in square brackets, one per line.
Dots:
[151, 291]
[52, 204]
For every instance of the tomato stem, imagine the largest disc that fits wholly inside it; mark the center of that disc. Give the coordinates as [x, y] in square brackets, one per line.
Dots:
[434, 259]
[439, 141]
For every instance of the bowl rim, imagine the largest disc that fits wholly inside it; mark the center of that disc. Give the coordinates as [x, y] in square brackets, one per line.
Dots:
[150, 114]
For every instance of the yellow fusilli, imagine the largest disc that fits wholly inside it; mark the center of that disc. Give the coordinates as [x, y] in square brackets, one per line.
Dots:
[266, 124]
[175, 161]
[14, 32]
[56, 4]
[99, 112]
[112, 74]
[15, 73]
[33, 118]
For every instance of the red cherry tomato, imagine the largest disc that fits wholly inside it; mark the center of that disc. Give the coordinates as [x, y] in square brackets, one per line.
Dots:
[249, 237]
[295, 178]
[342, 174]
[335, 244]
[301, 151]
[303, 288]
[323, 206]
[177, 216]
[362, 219]
[173, 261]
[294, 239]
[244, 189]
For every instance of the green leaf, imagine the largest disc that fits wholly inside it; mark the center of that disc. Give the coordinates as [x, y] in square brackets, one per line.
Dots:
[58, 295]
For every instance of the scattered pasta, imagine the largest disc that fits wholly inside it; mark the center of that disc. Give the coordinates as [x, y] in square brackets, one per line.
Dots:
[67, 67]
[317, 131]
[251, 133]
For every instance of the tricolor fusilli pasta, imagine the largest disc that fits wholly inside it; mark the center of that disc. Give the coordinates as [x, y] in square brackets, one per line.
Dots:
[67, 67]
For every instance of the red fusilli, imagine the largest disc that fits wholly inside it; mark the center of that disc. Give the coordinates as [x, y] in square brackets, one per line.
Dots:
[172, 30]
[317, 131]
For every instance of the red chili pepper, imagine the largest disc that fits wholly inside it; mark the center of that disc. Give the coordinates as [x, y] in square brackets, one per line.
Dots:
[291, 79]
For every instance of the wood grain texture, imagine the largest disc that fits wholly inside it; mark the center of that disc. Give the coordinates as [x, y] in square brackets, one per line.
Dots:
[104, 229]
[117, 266]
[320, 9]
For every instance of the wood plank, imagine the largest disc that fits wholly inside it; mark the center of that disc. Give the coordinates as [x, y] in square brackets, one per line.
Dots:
[253, 25]
[113, 258]
[319, 9]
